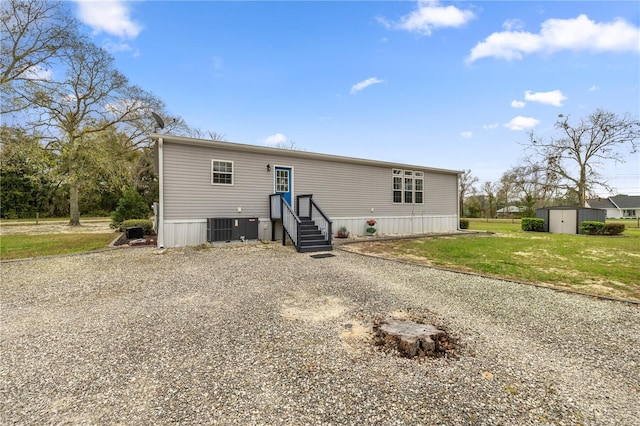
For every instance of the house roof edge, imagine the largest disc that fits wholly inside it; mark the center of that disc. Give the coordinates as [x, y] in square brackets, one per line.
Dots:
[291, 153]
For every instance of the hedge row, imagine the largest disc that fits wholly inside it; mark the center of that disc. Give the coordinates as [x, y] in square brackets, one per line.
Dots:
[593, 227]
[145, 224]
[534, 224]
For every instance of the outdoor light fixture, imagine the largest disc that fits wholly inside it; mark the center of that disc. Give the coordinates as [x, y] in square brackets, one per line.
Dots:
[268, 167]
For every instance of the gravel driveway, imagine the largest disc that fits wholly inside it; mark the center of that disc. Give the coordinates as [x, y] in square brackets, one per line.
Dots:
[263, 335]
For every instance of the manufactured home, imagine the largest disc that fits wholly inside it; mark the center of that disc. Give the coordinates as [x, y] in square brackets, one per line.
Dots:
[220, 191]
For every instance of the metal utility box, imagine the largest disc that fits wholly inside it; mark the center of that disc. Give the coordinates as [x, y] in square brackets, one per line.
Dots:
[230, 229]
[134, 232]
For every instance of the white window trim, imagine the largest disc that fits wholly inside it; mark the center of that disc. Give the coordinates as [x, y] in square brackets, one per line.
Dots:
[233, 171]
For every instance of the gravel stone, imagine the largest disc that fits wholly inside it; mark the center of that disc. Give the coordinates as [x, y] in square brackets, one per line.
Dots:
[260, 334]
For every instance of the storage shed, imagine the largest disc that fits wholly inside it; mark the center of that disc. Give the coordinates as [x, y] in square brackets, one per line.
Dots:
[567, 220]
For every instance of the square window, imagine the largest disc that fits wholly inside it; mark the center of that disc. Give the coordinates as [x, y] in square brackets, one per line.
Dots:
[221, 172]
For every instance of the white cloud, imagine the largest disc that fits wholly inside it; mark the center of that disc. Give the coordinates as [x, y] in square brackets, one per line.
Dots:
[490, 126]
[112, 47]
[111, 17]
[430, 15]
[518, 104]
[121, 106]
[576, 34]
[36, 72]
[555, 97]
[594, 88]
[467, 135]
[363, 84]
[275, 139]
[513, 24]
[521, 123]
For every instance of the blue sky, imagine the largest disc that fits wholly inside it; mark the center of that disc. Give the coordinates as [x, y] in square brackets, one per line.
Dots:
[454, 85]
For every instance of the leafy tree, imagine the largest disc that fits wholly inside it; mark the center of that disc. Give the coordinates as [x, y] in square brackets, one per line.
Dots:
[131, 206]
[145, 179]
[87, 114]
[466, 182]
[27, 176]
[574, 157]
[92, 98]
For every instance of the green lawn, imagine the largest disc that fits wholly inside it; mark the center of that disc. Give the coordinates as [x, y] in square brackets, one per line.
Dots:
[593, 264]
[22, 246]
[33, 220]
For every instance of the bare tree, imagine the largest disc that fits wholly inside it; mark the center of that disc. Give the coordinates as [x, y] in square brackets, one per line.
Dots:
[531, 184]
[92, 97]
[574, 158]
[466, 182]
[489, 189]
[34, 33]
[201, 134]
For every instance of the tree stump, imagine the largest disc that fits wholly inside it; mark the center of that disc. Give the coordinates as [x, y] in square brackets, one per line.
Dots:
[411, 339]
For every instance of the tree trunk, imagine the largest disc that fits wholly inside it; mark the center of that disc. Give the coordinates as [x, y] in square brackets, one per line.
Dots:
[582, 187]
[74, 207]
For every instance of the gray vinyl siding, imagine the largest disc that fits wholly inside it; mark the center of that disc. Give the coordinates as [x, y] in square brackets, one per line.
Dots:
[340, 188]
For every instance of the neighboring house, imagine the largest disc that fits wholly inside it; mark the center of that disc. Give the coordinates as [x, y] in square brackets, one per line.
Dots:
[618, 207]
[218, 191]
[510, 210]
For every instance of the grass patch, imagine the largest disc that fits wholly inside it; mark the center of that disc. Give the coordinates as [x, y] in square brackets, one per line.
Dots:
[33, 220]
[23, 246]
[592, 264]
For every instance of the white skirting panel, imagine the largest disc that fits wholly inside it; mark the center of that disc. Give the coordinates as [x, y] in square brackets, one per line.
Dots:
[397, 225]
[181, 233]
[193, 232]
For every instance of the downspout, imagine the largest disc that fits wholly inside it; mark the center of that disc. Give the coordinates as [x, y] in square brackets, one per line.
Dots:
[160, 242]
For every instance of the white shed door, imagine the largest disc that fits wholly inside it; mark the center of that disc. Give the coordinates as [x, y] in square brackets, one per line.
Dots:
[563, 221]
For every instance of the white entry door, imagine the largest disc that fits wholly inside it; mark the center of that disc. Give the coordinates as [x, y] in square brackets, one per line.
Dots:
[563, 221]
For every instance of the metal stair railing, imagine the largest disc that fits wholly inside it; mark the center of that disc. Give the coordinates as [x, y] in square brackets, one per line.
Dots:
[307, 207]
[290, 223]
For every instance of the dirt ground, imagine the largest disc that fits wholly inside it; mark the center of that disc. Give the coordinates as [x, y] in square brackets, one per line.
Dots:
[57, 227]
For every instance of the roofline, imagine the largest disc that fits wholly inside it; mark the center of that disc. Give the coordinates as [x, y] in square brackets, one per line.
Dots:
[613, 202]
[232, 146]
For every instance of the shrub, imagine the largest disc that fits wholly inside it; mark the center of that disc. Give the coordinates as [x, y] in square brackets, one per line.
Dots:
[613, 228]
[534, 224]
[464, 223]
[145, 224]
[592, 227]
[131, 206]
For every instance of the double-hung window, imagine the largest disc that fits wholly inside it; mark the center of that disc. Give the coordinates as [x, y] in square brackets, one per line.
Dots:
[418, 187]
[408, 186]
[397, 186]
[221, 172]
